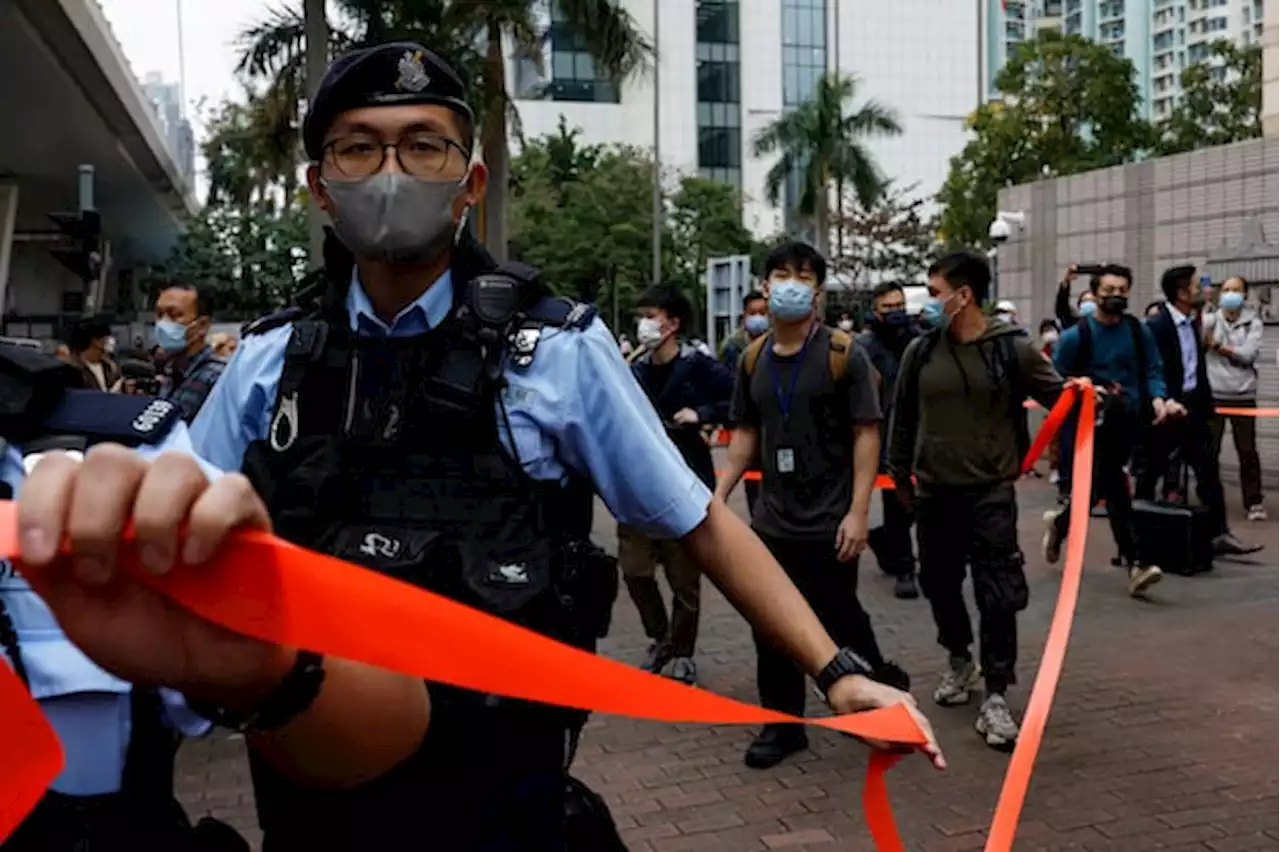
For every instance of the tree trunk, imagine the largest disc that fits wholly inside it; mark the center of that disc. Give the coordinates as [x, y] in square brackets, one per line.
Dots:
[493, 132]
[822, 221]
[317, 31]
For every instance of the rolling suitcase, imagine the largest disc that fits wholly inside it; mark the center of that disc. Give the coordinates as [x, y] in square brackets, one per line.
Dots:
[1172, 533]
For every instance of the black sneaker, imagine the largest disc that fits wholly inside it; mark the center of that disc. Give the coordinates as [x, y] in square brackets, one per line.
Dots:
[658, 655]
[904, 587]
[775, 744]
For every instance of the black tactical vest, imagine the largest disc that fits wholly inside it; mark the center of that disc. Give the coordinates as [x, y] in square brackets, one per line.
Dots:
[385, 452]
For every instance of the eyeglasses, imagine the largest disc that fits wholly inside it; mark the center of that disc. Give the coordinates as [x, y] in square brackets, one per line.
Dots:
[423, 155]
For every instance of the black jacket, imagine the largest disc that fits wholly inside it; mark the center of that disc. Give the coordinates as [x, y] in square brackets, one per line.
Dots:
[1165, 330]
[696, 381]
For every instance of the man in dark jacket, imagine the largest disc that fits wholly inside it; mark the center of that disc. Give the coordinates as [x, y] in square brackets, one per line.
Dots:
[885, 341]
[689, 390]
[1180, 339]
[959, 427]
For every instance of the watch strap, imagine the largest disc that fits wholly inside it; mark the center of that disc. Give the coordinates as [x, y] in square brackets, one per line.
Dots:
[292, 697]
[846, 662]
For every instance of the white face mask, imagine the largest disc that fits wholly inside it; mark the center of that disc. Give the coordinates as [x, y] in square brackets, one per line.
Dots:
[846, 325]
[649, 331]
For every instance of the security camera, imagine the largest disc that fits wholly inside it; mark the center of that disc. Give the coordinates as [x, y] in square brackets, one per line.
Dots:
[999, 231]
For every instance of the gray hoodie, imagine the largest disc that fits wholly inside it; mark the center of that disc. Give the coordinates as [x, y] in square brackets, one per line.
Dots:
[1233, 377]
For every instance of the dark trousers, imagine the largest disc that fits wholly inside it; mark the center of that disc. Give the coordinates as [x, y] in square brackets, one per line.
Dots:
[891, 541]
[1244, 434]
[831, 588]
[638, 556]
[978, 528]
[1112, 446]
[1187, 440]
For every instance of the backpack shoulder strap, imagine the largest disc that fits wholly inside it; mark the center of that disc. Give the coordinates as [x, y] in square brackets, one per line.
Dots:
[751, 355]
[838, 354]
[271, 321]
[1084, 348]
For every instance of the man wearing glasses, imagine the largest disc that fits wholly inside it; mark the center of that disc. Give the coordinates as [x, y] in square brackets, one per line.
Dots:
[440, 419]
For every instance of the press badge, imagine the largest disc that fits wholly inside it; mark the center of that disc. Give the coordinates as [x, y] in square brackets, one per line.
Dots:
[786, 460]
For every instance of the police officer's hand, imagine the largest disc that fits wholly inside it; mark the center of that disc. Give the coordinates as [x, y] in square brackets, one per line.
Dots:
[855, 694]
[180, 520]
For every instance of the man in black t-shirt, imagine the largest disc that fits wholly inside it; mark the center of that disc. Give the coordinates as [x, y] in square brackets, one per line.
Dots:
[805, 404]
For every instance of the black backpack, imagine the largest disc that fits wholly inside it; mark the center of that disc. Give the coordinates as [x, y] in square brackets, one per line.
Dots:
[1008, 355]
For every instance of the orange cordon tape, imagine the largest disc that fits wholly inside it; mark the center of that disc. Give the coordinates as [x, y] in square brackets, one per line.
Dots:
[264, 587]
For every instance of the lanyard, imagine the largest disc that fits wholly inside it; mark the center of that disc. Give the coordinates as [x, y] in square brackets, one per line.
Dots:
[784, 401]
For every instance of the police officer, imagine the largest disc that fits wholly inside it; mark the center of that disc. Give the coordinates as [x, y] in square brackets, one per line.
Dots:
[115, 791]
[440, 419]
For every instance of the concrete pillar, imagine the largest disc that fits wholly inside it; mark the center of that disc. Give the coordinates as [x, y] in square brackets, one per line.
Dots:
[1270, 69]
[8, 221]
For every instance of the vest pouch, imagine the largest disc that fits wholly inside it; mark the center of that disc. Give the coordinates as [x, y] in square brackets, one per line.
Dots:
[297, 477]
[506, 579]
[591, 586]
[405, 554]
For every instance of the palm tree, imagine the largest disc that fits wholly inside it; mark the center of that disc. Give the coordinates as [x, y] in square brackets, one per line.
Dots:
[823, 143]
[469, 34]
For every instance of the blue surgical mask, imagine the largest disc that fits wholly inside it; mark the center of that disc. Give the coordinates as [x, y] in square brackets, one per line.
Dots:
[1088, 309]
[790, 300]
[1231, 301]
[171, 336]
[756, 324]
[934, 311]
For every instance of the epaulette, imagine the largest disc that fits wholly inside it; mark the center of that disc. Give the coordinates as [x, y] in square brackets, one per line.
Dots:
[83, 418]
[548, 312]
[561, 312]
[271, 321]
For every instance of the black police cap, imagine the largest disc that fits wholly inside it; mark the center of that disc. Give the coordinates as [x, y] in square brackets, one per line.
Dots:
[385, 75]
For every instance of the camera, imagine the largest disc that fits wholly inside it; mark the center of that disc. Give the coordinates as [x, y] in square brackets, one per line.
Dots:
[999, 231]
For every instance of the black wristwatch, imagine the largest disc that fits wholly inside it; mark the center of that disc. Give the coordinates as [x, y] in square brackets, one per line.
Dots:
[846, 662]
[295, 693]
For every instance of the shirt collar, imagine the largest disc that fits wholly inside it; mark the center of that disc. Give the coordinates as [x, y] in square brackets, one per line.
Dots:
[1179, 317]
[422, 314]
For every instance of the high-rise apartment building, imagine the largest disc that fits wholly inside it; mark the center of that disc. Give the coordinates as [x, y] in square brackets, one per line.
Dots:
[1160, 37]
[729, 67]
[166, 99]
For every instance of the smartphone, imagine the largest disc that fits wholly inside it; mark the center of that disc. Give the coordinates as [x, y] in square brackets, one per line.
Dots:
[1089, 270]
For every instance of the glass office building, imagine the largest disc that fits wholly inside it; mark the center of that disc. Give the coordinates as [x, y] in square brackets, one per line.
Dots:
[719, 92]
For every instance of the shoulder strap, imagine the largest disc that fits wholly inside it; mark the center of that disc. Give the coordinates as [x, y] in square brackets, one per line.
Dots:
[1017, 393]
[1084, 348]
[751, 355]
[271, 321]
[560, 312]
[838, 354]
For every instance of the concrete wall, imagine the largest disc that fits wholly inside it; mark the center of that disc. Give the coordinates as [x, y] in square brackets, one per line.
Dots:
[1202, 207]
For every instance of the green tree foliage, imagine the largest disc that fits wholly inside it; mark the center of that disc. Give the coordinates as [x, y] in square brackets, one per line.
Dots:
[893, 240]
[823, 139]
[1067, 105]
[1221, 101]
[249, 242]
[583, 214]
[253, 260]
[470, 35]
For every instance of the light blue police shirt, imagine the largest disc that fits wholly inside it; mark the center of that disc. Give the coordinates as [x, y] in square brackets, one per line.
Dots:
[88, 707]
[576, 406]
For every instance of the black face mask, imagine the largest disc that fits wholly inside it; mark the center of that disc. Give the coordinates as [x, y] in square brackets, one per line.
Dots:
[1115, 305]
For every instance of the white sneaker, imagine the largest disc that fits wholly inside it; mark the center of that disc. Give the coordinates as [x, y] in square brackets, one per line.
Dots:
[1142, 578]
[996, 724]
[1257, 513]
[1051, 544]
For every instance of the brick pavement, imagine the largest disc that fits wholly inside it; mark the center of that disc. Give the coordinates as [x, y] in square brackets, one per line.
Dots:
[1163, 734]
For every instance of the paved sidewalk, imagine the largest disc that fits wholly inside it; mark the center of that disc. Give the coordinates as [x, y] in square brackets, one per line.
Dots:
[1163, 734]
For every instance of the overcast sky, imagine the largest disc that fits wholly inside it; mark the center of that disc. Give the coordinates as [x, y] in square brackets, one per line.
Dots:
[148, 32]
